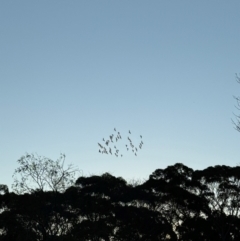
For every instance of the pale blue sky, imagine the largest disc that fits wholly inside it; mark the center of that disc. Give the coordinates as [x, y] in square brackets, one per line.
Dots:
[71, 71]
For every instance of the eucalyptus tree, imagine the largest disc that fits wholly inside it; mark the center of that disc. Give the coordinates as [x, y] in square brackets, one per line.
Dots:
[12, 226]
[41, 173]
[110, 208]
[38, 215]
[93, 201]
[196, 229]
[222, 191]
[176, 194]
[37, 202]
[237, 98]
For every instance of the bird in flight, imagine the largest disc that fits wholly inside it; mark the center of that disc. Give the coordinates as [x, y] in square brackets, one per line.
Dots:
[111, 143]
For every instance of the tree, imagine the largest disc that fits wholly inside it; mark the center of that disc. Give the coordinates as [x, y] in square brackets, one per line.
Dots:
[237, 98]
[176, 194]
[36, 216]
[223, 195]
[176, 203]
[41, 173]
[196, 229]
[110, 209]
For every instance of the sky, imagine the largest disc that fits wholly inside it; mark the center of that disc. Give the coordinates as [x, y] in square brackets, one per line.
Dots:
[72, 71]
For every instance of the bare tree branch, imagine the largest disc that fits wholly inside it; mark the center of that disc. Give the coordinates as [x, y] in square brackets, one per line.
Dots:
[42, 173]
[237, 98]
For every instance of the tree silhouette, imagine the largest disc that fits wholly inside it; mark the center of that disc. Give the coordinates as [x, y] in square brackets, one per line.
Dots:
[237, 98]
[175, 203]
[42, 173]
[222, 191]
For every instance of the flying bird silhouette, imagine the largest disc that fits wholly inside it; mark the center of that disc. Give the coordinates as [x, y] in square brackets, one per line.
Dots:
[117, 138]
[100, 145]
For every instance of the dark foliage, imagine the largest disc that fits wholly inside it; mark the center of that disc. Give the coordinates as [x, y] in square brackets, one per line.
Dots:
[176, 203]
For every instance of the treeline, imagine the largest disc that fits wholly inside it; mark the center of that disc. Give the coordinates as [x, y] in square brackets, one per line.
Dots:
[176, 203]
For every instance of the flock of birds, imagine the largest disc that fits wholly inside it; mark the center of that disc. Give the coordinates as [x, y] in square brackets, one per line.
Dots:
[107, 148]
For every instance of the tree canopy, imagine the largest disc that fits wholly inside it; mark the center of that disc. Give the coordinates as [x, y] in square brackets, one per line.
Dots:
[176, 203]
[42, 173]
